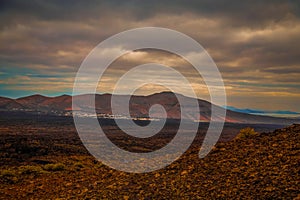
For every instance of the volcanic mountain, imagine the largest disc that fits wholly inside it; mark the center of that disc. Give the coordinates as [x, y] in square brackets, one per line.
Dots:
[139, 107]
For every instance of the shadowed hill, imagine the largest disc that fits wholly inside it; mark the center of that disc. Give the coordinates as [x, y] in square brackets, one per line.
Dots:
[139, 107]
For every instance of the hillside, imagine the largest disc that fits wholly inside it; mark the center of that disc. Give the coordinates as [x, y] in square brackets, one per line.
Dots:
[139, 107]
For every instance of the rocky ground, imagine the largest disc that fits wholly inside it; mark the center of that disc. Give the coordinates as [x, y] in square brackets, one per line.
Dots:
[253, 166]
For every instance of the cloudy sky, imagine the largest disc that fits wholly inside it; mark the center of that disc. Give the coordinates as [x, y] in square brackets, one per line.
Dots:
[255, 45]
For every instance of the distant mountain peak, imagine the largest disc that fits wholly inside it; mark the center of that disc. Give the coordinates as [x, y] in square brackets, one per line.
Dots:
[33, 96]
[64, 95]
[139, 107]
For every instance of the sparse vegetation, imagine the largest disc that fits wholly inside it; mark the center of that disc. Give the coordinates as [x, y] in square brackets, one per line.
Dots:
[9, 176]
[246, 133]
[55, 167]
[30, 169]
[259, 167]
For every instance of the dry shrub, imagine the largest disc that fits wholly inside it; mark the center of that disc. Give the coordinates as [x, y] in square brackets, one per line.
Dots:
[55, 167]
[9, 176]
[246, 133]
[30, 169]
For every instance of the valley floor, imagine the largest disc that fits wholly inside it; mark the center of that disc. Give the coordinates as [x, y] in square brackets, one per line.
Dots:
[44, 159]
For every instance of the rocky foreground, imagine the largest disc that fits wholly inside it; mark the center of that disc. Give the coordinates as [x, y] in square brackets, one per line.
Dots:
[254, 166]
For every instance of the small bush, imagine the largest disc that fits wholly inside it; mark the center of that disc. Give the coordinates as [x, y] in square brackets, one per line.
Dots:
[246, 133]
[8, 176]
[55, 167]
[7, 172]
[30, 169]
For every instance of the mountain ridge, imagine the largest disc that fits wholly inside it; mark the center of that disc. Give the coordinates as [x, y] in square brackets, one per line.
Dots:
[259, 111]
[139, 107]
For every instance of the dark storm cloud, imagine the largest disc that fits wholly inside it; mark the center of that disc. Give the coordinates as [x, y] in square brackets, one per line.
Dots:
[45, 26]
[243, 13]
[48, 10]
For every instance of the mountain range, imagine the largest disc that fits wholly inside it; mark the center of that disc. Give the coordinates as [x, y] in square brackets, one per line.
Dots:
[139, 107]
[263, 112]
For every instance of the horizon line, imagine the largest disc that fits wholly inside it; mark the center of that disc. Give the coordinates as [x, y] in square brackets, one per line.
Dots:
[70, 95]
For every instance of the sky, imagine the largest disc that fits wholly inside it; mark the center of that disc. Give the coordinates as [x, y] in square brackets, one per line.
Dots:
[255, 45]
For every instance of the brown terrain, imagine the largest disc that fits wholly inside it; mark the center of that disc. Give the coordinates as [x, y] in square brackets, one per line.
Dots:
[139, 107]
[42, 158]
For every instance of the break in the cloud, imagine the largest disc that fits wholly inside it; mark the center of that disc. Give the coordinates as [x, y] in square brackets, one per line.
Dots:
[255, 44]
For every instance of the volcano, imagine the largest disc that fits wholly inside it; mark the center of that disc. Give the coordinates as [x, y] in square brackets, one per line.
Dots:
[139, 107]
